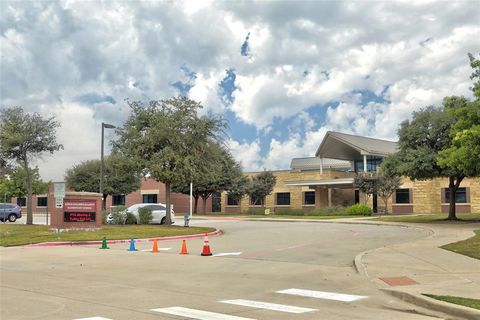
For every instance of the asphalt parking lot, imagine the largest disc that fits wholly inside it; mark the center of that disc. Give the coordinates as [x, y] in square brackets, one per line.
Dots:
[260, 270]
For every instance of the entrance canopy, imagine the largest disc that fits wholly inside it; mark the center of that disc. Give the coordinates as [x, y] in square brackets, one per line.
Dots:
[328, 183]
[349, 147]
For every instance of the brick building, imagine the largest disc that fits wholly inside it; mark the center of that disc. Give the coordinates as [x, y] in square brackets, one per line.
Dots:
[326, 180]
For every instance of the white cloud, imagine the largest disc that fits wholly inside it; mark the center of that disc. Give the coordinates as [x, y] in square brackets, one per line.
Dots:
[301, 55]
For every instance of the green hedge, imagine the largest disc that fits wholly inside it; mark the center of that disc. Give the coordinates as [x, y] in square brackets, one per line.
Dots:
[359, 209]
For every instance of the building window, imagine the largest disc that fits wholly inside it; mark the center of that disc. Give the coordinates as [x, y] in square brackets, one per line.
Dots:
[283, 199]
[402, 196]
[41, 201]
[22, 202]
[149, 198]
[119, 200]
[256, 201]
[373, 163]
[309, 197]
[460, 195]
[357, 197]
[231, 201]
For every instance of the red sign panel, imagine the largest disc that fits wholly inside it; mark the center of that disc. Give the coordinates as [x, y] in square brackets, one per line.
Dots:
[79, 210]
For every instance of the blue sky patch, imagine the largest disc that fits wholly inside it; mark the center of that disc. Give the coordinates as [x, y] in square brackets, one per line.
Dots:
[245, 49]
[227, 86]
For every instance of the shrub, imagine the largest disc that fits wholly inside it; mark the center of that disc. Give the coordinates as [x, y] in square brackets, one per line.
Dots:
[359, 209]
[256, 211]
[144, 215]
[130, 218]
[327, 211]
[119, 217]
[289, 212]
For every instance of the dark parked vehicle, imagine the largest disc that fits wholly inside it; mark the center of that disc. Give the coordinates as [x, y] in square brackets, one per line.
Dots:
[10, 212]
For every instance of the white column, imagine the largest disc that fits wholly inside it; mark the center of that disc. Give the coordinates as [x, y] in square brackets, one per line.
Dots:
[191, 196]
[329, 190]
[321, 165]
[364, 163]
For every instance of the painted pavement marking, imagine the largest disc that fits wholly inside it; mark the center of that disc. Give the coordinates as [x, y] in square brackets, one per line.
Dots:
[198, 314]
[268, 306]
[94, 318]
[159, 249]
[227, 254]
[322, 295]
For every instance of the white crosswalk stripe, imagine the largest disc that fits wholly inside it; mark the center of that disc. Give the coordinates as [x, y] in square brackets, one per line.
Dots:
[227, 254]
[94, 318]
[198, 314]
[269, 306]
[322, 295]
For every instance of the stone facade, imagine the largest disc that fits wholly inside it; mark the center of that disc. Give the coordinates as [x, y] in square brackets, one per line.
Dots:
[424, 196]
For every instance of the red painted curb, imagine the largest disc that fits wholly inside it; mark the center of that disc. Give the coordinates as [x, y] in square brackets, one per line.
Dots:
[91, 243]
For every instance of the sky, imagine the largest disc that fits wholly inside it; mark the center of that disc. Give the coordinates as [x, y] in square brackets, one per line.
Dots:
[282, 73]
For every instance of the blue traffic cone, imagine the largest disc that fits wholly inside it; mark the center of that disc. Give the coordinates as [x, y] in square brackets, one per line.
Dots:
[132, 245]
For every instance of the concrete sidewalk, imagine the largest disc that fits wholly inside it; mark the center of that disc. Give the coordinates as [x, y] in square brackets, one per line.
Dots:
[407, 270]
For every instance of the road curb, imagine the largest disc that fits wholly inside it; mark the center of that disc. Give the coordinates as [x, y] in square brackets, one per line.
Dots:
[413, 298]
[435, 305]
[215, 233]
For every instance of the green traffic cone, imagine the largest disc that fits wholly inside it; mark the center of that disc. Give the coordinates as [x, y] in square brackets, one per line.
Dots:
[104, 243]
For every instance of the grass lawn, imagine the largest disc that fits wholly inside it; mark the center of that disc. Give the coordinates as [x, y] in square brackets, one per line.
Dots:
[302, 217]
[20, 234]
[469, 247]
[431, 218]
[467, 302]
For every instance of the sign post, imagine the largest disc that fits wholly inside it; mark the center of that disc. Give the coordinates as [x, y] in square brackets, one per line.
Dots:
[59, 194]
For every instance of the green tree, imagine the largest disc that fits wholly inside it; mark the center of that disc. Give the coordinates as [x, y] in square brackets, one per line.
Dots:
[166, 138]
[215, 172]
[119, 176]
[23, 138]
[365, 182]
[19, 182]
[239, 187]
[260, 186]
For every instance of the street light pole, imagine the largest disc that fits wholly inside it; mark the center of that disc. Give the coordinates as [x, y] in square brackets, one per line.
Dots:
[108, 126]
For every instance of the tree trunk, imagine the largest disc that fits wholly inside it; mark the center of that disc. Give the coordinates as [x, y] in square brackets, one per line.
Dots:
[30, 193]
[204, 204]
[453, 187]
[196, 204]
[104, 202]
[168, 219]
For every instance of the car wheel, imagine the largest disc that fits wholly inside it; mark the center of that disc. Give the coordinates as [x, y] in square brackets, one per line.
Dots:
[163, 220]
[12, 218]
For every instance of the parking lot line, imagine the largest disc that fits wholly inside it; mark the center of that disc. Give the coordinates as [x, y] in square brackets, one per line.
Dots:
[268, 306]
[322, 295]
[197, 314]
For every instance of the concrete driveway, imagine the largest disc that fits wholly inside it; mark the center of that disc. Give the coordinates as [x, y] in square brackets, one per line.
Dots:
[266, 270]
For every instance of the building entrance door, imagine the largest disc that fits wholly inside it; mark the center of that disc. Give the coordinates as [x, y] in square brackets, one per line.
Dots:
[216, 202]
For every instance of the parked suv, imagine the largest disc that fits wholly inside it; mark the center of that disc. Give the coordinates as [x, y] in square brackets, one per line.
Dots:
[158, 212]
[10, 211]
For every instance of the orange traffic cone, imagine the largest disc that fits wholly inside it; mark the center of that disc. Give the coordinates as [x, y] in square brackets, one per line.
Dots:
[184, 248]
[155, 246]
[206, 247]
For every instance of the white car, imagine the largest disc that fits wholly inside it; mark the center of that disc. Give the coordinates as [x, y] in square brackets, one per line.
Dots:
[158, 212]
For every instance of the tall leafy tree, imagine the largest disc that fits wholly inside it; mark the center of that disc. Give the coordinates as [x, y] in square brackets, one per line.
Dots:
[261, 185]
[381, 183]
[119, 176]
[215, 172]
[463, 155]
[166, 138]
[24, 137]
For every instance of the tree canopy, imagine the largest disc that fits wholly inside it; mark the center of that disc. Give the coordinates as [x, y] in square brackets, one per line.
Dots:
[119, 176]
[166, 138]
[24, 137]
[260, 186]
[217, 171]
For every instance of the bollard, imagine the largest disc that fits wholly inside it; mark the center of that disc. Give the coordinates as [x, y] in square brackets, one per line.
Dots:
[186, 218]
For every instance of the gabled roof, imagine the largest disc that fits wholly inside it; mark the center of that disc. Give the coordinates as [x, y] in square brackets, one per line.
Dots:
[348, 147]
[312, 163]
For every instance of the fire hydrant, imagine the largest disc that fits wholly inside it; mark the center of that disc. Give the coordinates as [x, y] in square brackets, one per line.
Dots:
[186, 218]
